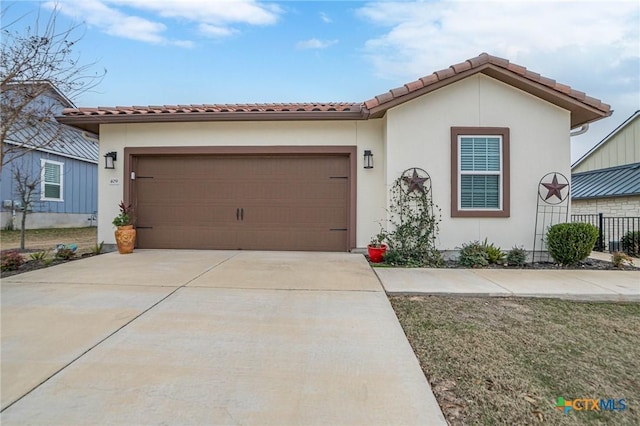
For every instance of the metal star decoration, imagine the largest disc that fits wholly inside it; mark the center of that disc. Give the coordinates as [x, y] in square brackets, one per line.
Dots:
[554, 188]
[415, 183]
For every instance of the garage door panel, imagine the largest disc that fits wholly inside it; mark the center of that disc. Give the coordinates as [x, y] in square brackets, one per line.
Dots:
[287, 202]
[181, 237]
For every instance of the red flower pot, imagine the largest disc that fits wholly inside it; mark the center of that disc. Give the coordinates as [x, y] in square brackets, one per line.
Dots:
[376, 254]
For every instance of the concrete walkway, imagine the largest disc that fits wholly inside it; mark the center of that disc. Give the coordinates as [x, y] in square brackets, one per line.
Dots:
[618, 286]
[203, 337]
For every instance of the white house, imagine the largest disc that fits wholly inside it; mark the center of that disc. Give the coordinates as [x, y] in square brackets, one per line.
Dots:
[292, 176]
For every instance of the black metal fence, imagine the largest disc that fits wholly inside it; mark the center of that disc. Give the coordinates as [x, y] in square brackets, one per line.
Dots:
[611, 229]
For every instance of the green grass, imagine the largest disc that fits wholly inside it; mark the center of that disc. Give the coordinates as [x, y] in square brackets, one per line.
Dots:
[506, 361]
[85, 238]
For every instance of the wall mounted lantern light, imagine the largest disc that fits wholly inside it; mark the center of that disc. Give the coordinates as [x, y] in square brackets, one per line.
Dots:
[110, 160]
[368, 159]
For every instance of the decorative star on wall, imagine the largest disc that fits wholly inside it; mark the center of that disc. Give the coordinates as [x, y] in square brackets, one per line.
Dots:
[554, 188]
[415, 182]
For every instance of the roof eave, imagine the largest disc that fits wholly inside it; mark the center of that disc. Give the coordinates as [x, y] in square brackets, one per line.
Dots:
[581, 113]
[92, 122]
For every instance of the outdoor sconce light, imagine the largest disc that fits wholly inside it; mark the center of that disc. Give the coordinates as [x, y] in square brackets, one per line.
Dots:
[368, 159]
[110, 159]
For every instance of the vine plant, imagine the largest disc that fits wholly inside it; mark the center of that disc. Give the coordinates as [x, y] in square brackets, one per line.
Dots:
[413, 222]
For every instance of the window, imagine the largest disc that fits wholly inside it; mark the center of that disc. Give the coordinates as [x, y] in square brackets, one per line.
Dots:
[479, 172]
[51, 180]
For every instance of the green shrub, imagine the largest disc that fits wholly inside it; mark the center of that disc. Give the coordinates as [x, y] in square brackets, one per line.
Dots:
[473, 255]
[10, 260]
[631, 243]
[65, 253]
[517, 256]
[495, 255]
[39, 255]
[97, 249]
[569, 243]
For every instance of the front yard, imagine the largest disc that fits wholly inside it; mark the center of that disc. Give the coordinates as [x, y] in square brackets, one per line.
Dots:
[507, 360]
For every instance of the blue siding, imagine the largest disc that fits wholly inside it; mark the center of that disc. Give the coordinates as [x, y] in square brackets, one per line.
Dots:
[80, 188]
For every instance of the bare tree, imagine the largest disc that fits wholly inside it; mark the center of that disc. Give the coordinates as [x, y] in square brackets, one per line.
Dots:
[26, 186]
[31, 62]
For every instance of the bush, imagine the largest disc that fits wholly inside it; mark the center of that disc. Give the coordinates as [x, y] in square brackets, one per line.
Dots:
[11, 260]
[620, 259]
[517, 256]
[473, 255]
[495, 255]
[39, 255]
[569, 243]
[631, 243]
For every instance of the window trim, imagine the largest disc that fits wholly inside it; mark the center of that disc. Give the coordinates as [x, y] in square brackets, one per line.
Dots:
[43, 183]
[503, 133]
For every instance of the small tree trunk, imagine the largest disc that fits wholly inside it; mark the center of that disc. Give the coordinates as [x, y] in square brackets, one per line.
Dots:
[23, 226]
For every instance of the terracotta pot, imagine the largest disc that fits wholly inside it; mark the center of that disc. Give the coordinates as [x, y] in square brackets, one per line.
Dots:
[126, 239]
[376, 254]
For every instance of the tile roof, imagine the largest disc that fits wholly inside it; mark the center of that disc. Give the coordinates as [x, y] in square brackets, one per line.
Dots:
[612, 182]
[213, 108]
[583, 108]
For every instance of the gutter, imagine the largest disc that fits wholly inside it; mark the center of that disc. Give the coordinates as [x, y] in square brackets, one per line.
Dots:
[582, 130]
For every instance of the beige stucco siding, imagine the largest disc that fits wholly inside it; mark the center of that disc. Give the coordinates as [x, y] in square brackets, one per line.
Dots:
[363, 134]
[418, 135]
[623, 148]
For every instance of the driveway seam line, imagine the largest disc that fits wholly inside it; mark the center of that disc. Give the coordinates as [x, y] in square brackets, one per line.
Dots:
[64, 367]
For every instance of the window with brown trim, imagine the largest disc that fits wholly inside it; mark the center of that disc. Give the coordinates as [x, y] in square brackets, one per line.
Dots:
[480, 172]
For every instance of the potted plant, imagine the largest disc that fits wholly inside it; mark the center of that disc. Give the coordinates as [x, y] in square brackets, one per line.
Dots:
[376, 248]
[125, 234]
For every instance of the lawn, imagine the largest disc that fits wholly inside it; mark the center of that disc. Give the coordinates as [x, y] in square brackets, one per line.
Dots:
[507, 360]
[43, 239]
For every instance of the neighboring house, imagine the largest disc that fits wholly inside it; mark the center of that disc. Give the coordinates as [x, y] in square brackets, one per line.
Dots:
[292, 176]
[607, 178]
[65, 163]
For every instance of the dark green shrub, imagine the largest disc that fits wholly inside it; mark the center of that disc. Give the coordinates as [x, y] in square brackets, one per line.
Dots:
[97, 249]
[631, 243]
[473, 255]
[569, 243]
[65, 253]
[517, 256]
[11, 260]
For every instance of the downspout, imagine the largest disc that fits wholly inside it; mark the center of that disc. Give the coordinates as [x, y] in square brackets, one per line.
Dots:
[583, 129]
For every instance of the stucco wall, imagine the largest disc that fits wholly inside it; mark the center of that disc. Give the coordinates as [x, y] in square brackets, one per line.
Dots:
[418, 135]
[363, 134]
[612, 207]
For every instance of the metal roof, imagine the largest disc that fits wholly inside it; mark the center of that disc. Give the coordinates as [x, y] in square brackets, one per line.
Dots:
[57, 139]
[617, 181]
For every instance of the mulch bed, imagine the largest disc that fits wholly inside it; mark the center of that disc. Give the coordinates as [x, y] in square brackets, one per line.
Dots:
[33, 265]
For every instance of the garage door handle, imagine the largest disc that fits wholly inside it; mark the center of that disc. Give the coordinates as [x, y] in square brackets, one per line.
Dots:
[242, 213]
[238, 213]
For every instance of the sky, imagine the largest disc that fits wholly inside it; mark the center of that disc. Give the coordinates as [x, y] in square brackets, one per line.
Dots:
[162, 52]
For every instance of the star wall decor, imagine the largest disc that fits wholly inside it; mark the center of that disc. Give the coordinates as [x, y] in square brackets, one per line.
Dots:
[554, 188]
[415, 182]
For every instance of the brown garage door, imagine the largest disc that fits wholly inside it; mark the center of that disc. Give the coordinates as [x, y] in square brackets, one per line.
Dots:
[242, 202]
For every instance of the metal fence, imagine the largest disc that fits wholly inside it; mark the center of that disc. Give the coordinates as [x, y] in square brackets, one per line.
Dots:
[611, 229]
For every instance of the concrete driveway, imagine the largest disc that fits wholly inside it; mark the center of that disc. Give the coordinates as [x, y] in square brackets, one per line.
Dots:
[208, 337]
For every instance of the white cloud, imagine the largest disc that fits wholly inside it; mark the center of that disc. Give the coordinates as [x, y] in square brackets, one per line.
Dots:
[427, 36]
[592, 46]
[212, 18]
[314, 43]
[325, 18]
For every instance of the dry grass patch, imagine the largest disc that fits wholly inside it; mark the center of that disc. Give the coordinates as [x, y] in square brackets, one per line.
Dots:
[42, 239]
[506, 361]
